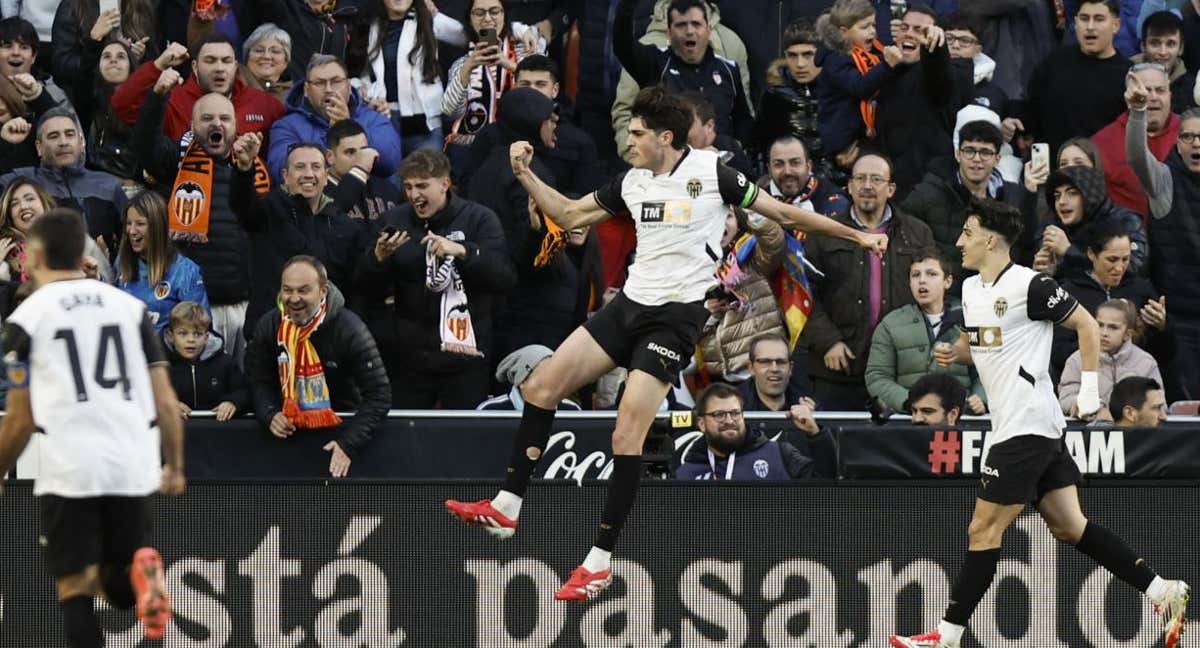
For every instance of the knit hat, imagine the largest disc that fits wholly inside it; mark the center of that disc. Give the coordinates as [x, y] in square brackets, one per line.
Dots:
[516, 366]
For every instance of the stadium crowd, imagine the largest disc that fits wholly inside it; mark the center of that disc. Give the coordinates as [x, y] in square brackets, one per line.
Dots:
[333, 177]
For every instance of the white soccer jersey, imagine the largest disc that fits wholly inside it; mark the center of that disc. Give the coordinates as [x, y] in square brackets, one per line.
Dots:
[679, 217]
[83, 348]
[1010, 326]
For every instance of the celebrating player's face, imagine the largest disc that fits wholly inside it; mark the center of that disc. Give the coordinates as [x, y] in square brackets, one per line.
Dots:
[973, 243]
[645, 146]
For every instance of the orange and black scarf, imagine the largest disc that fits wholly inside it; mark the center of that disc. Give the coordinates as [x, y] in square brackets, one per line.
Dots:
[301, 375]
[191, 195]
[555, 240]
[864, 60]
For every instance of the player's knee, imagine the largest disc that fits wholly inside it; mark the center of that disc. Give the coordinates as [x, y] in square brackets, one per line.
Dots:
[626, 440]
[1067, 532]
[984, 533]
[538, 390]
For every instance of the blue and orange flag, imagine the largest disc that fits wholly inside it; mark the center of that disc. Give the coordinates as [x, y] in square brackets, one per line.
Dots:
[790, 285]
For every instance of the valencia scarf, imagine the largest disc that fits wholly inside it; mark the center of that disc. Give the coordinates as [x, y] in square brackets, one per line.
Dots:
[864, 60]
[555, 240]
[191, 195]
[301, 374]
[454, 323]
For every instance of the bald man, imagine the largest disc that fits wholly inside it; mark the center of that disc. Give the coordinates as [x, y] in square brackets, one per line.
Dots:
[206, 190]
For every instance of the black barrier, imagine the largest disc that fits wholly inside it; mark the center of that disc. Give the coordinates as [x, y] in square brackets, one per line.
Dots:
[381, 565]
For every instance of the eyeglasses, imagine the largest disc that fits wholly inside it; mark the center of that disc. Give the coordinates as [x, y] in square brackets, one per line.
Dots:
[976, 153]
[965, 41]
[326, 84]
[494, 12]
[721, 415]
[1189, 138]
[871, 180]
[259, 50]
[772, 362]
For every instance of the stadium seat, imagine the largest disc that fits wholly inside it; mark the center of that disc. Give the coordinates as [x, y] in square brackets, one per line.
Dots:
[1185, 408]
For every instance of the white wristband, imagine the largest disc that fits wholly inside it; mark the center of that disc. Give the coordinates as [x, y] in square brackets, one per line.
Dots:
[1088, 401]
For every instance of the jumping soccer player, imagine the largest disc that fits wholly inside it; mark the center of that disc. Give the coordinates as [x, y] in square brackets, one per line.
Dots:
[1010, 312]
[678, 199]
[87, 374]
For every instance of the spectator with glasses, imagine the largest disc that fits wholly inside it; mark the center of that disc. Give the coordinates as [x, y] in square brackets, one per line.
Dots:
[266, 55]
[730, 452]
[770, 387]
[324, 99]
[963, 36]
[941, 199]
[856, 289]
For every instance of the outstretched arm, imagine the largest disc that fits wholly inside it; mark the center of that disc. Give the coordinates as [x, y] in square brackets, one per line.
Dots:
[793, 217]
[567, 213]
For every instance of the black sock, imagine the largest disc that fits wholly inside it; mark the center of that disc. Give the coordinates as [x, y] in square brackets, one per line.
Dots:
[978, 570]
[532, 436]
[118, 590]
[622, 488]
[1113, 554]
[79, 617]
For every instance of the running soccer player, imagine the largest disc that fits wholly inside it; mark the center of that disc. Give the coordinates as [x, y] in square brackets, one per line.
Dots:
[88, 375]
[1010, 312]
[678, 199]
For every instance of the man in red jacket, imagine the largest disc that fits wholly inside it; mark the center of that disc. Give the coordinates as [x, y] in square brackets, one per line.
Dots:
[214, 69]
[1162, 127]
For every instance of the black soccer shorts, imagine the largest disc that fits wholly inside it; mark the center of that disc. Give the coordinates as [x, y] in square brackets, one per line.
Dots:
[81, 531]
[1023, 469]
[659, 340]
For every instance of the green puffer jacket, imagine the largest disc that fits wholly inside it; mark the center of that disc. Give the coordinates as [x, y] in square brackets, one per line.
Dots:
[902, 352]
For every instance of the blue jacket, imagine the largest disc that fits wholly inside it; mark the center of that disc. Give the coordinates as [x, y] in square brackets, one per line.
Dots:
[840, 89]
[183, 282]
[303, 124]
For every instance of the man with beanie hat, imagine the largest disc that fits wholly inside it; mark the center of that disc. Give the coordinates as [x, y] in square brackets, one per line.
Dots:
[513, 370]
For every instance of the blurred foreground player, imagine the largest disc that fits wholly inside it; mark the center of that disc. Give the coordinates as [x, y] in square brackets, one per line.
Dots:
[1010, 312]
[88, 374]
[678, 198]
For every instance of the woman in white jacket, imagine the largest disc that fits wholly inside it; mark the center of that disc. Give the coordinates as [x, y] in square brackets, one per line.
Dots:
[403, 67]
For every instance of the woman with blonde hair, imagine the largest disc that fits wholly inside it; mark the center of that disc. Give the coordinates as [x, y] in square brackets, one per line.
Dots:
[151, 269]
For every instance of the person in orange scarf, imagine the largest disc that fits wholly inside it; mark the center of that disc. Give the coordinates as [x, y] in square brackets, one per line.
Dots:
[310, 358]
[851, 76]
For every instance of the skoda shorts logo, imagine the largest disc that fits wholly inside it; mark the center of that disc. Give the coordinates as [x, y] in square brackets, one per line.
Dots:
[762, 468]
[188, 201]
[990, 472]
[1001, 306]
[693, 188]
[663, 351]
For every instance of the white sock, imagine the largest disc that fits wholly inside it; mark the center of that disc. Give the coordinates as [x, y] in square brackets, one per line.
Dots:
[597, 560]
[507, 503]
[1158, 589]
[951, 633]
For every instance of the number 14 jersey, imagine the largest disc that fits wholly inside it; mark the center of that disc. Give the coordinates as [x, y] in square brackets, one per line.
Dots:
[83, 349]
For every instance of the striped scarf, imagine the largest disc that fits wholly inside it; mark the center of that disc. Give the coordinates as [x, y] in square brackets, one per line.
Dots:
[864, 60]
[301, 375]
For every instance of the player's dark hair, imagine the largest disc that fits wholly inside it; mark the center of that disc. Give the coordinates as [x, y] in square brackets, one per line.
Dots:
[1114, 6]
[998, 217]
[1162, 23]
[773, 336]
[341, 130]
[877, 154]
[425, 163]
[538, 63]
[312, 262]
[1130, 392]
[210, 38]
[660, 110]
[801, 32]
[961, 21]
[683, 6]
[61, 234]
[981, 131]
[935, 254]
[18, 30]
[946, 387]
[715, 390]
[702, 108]
[1103, 234]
